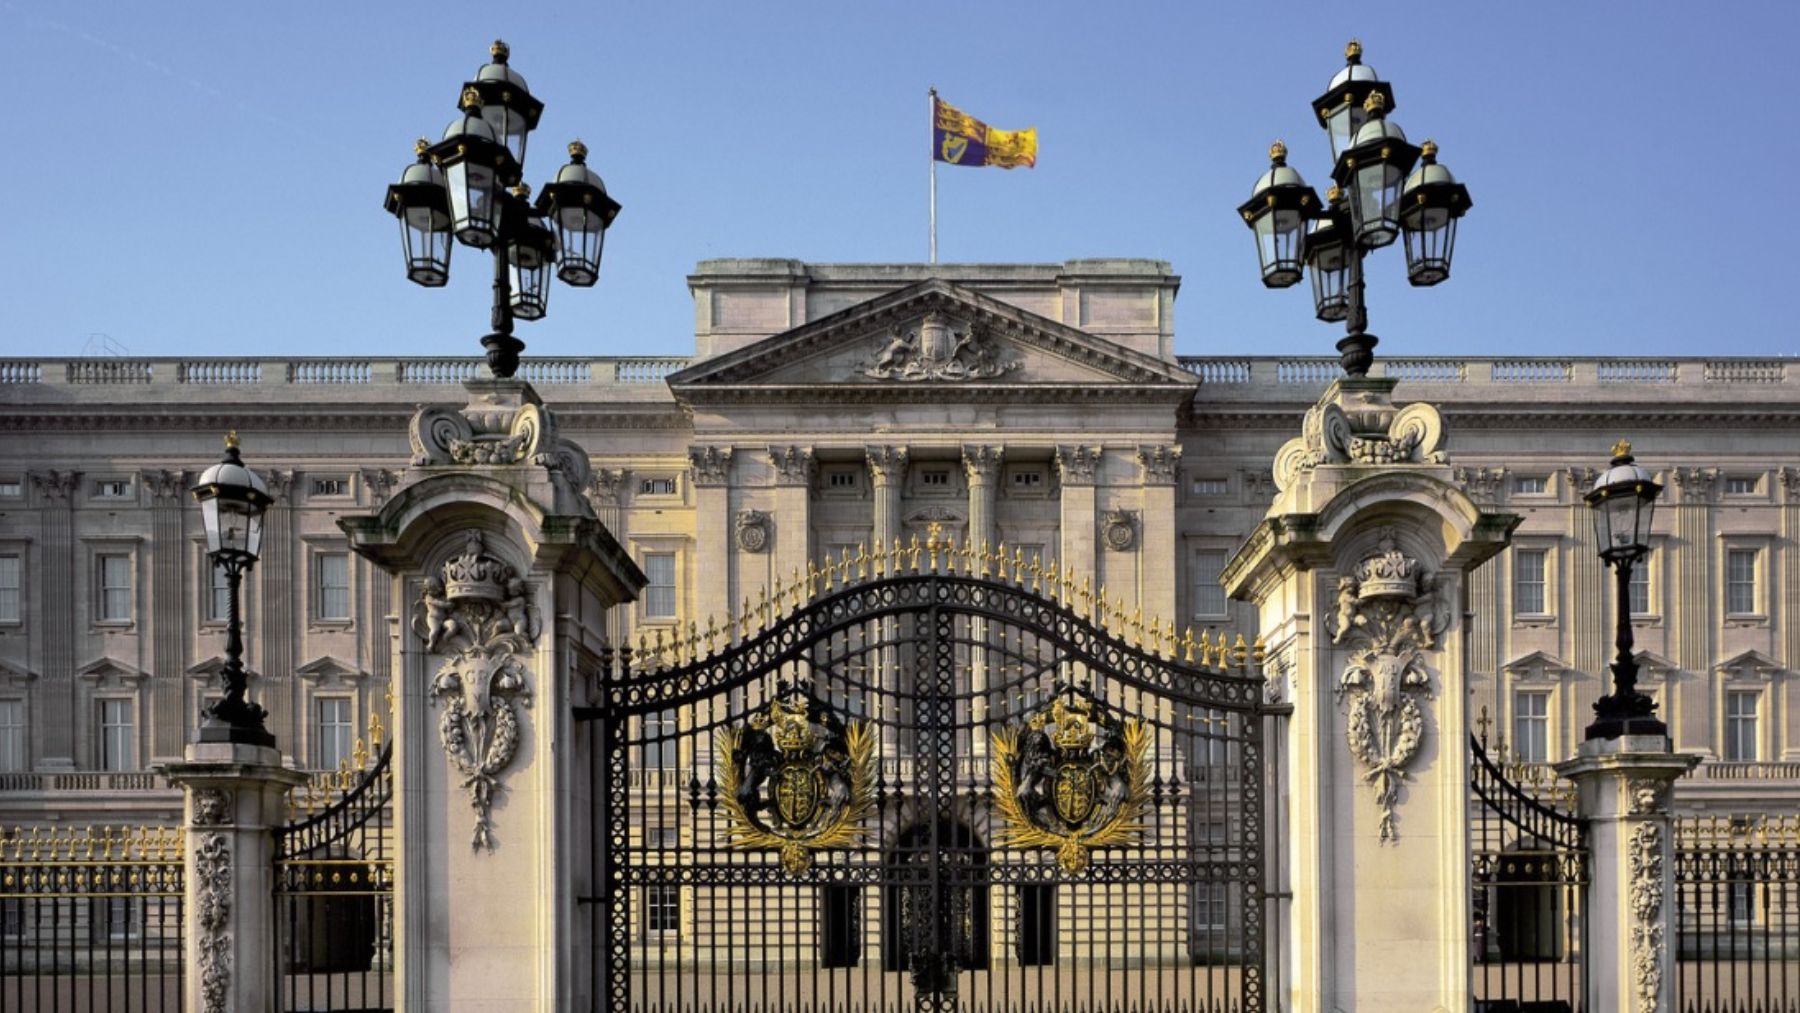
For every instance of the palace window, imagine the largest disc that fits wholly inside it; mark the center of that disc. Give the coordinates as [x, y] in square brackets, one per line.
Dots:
[333, 748]
[113, 573]
[656, 486]
[1209, 597]
[332, 600]
[840, 479]
[1531, 725]
[1740, 725]
[935, 478]
[1028, 478]
[118, 735]
[1211, 486]
[114, 918]
[661, 748]
[659, 589]
[662, 908]
[337, 486]
[1740, 485]
[1740, 582]
[1640, 588]
[12, 578]
[1531, 485]
[1740, 904]
[218, 598]
[112, 488]
[12, 735]
[1530, 568]
[12, 488]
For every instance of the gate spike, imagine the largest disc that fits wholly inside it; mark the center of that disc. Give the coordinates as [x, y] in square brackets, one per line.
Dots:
[1018, 565]
[987, 559]
[844, 566]
[1050, 585]
[693, 640]
[932, 544]
[1000, 562]
[950, 553]
[1240, 653]
[1100, 606]
[862, 561]
[968, 555]
[912, 551]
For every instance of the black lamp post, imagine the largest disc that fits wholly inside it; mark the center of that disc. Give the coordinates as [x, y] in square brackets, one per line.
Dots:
[1623, 500]
[232, 500]
[467, 186]
[1378, 198]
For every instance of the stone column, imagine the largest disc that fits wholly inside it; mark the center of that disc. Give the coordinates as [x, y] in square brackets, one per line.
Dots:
[983, 464]
[711, 570]
[607, 493]
[168, 607]
[279, 586]
[1078, 468]
[1624, 786]
[794, 468]
[887, 475]
[56, 726]
[1357, 572]
[235, 798]
[1156, 536]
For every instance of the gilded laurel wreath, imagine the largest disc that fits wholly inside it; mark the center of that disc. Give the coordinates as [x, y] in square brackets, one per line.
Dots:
[1072, 779]
[796, 780]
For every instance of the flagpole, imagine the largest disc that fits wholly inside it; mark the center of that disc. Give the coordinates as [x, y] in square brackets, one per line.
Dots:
[933, 152]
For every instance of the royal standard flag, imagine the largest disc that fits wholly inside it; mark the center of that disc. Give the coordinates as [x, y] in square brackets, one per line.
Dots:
[961, 139]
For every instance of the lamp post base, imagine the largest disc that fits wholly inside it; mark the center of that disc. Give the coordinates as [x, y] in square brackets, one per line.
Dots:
[1357, 353]
[220, 731]
[502, 354]
[1614, 727]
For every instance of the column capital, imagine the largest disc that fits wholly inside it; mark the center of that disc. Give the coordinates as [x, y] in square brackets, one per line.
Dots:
[982, 461]
[380, 482]
[55, 486]
[794, 465]
[710, 466]
[281, 483]
[607, 485]
[1160, 462]
[1077, 464]
[166, 488]
[887, 463]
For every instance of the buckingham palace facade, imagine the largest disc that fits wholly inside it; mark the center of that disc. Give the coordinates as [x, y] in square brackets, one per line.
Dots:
[826, 407]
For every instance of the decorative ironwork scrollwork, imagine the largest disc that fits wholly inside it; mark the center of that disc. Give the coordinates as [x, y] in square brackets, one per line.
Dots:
[1071, 776]
[796, 779]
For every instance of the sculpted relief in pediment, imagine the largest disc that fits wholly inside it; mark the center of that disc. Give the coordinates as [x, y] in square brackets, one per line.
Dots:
[938, 347]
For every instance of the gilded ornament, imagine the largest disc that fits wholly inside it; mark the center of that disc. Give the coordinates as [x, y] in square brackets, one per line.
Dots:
[795, 779]
[1073, 777]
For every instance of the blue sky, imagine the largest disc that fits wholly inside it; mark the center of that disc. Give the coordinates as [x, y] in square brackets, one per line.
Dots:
[206, 178]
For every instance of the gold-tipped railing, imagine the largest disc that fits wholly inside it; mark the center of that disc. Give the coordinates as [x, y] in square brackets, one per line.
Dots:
[663, 648]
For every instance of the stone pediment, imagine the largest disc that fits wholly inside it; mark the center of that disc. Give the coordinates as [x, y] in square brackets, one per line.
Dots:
[1749, 664]
[209, 669]
[106, 670]
[1536, 665]
[326, 669]
[931, 340]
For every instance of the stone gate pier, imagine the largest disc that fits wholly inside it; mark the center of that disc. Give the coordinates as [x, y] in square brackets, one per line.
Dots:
[1358, 571]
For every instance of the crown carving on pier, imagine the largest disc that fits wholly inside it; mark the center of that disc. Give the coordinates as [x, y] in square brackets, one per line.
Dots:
[1389, 573]
[475, 574]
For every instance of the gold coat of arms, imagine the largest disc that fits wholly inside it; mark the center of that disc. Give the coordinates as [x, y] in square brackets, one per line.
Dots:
[795, 779]
[1071, 776]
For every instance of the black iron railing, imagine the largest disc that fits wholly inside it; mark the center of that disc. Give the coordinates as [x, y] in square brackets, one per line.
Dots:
[1530, 874]
[91, 918]
[334, 889]
[1737, 909]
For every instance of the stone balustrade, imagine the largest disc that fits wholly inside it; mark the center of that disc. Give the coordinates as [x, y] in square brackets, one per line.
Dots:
[268, 372]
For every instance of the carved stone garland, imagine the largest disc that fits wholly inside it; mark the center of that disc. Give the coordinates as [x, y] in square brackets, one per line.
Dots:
[1389, 613]
[479, 614]
[1645, 870]
[1373, 432]
[212, 866]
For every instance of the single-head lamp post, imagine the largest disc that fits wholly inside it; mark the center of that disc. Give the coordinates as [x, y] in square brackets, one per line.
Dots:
[1623, 503]
[232, 501]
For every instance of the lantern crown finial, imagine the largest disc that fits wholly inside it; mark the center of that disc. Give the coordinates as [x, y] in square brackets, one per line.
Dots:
[500, 51]
[578, 151]
[522, 191]
[1278, 153]
[231, 440]
[471, 99]
[1332, 195]
[1353, 51]
[1428, 152]
[1621, 452]
[420, 147]
[1375, 104]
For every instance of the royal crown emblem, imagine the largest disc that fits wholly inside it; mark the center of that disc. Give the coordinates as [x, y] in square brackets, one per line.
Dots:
[1389, 573]
[473, 573]
[795, 779]
[1071, 776]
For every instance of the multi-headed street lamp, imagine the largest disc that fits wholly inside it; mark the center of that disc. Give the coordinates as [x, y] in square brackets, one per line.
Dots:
[467, 186]
[1623, 500]
[232, 500]
[1379, 196]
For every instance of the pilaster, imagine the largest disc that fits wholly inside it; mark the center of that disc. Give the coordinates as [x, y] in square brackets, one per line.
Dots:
[1691, 549]
[168, 605]
[887, 474]
[1789, 616]
[1632, 932]
[982, 463]
[281, 595]
[56, 496]
[712, 571]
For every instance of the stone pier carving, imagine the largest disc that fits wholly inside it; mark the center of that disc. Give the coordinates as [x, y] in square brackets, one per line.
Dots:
[753, 530]
[1646, 879]
[1372, 432]
[1388, 613]
[480, 615]
[212, 867]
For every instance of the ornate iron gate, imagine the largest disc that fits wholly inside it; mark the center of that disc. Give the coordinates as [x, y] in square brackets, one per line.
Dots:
[1530, 874]
[928, 778]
